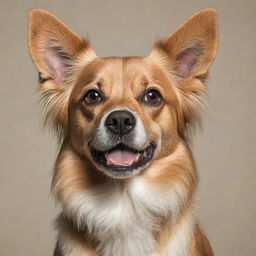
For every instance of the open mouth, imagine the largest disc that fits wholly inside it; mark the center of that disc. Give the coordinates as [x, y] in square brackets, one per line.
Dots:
[121, 158]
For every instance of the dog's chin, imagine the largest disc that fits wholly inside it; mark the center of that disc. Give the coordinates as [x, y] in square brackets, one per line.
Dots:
[122, 161]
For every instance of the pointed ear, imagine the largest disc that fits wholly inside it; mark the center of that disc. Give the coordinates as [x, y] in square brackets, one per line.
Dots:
[54, 48]
[190, 50]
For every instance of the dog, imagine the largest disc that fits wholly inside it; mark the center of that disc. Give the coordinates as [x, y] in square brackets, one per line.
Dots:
[125, 176]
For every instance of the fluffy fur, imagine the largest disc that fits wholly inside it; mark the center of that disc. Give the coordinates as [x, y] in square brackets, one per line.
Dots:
[151, 212]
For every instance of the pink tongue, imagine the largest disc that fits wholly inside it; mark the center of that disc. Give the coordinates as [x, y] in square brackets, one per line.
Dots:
[122, 157]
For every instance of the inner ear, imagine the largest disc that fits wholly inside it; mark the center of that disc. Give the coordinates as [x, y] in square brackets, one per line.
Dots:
[59, 62]
[190, 50]
[55, 49]
[186, 60]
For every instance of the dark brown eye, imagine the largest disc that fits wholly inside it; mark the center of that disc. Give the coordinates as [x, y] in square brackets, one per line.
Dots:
[152, 97]
[93, 97]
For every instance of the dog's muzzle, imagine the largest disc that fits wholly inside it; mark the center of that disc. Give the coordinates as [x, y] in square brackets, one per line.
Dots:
[121, 144]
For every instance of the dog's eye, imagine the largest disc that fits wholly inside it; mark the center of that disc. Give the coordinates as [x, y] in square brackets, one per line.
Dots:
[152, 97]
[93, 97]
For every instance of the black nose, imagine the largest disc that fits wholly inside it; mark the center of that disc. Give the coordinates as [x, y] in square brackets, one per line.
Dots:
[120, 122]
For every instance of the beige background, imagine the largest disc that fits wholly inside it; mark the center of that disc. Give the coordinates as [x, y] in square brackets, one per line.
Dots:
[225, 149]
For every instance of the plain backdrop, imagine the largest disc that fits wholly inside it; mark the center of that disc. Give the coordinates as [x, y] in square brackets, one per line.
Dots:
[224, 149]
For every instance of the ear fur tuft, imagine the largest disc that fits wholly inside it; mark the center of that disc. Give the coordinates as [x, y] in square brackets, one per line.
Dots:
[58, 53]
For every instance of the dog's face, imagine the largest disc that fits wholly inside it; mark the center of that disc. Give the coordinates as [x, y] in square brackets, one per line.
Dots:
[118, 111]
[122, 113]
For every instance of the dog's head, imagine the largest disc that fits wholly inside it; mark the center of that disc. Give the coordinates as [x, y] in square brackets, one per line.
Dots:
[122, 113]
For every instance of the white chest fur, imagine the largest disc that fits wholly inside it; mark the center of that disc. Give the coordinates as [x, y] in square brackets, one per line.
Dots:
[123, 218]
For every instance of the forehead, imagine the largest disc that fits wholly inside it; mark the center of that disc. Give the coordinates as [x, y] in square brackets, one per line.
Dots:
[124, 74]
[115, 68]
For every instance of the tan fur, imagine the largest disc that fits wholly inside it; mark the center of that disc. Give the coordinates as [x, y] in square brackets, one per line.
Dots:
[164, 190]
